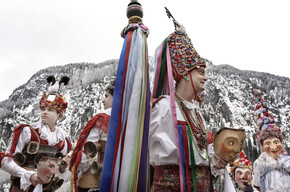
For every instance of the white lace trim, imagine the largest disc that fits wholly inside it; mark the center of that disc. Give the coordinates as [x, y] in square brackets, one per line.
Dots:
[53, 137]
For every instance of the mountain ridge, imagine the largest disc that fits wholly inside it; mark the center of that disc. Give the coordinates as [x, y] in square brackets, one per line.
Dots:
[228, 98]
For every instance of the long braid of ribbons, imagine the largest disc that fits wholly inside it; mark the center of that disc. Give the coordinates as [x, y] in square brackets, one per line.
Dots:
[186, 155]
[192, 159]
[137, 149]
[119, 115]
[162, 69]
[174, 116]
[163, 83]
[135, 119]
[144, 122]
[157, 69]
[113, 133]
[122, 167]
[188, 140]
[144, 163]
[182, 153]
[130, 117]
[148, 180]
[121, 126]
[127, 143]
[135, 163]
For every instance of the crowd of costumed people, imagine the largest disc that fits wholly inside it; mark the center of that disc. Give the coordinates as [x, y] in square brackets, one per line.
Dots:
[146, 141]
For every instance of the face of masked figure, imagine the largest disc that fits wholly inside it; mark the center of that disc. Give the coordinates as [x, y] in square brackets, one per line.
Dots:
[46, 168]
[272, 146]
[228, 143]
[243, 175]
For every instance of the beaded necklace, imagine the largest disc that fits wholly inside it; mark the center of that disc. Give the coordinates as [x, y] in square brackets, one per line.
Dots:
[198, 133]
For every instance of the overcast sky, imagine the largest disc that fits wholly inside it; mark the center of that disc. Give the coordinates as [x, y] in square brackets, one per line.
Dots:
[36, 34]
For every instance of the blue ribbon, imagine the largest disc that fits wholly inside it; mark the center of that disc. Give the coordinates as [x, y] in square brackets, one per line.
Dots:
[180, 135]
[113, 125]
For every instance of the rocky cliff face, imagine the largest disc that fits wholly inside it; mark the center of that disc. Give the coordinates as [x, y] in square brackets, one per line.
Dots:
[228, 99]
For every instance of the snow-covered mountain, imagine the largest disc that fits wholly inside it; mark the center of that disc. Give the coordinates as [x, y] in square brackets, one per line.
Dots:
[228, 99]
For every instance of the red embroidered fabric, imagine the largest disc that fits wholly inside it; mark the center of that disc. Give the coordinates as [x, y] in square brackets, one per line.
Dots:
[166, 179]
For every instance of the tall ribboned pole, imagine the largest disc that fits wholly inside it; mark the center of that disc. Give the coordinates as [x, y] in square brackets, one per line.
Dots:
[125, 163]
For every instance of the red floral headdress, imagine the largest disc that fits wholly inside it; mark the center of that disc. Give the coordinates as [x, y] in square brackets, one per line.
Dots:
[54, 98]
[241, 161]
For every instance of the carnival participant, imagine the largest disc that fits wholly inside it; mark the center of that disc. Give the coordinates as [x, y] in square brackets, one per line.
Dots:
[228, 143]
[272, 168]
[241, 172]
[88, 155]
[30, 140]
[179, 151]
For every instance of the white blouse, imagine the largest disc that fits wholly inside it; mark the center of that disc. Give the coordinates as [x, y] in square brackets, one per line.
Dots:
[163, 146]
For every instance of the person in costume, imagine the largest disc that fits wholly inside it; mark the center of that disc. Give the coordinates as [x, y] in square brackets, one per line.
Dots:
[88, 155]
[181, 155]
[272, 168]
[42, 137]
[228, 145]
[241, 172]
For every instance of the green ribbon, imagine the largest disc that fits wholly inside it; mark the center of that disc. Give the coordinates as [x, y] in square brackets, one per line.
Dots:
[193, 170]
[162, 69]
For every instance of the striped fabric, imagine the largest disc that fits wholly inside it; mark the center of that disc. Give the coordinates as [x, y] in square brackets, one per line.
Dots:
[125, 163]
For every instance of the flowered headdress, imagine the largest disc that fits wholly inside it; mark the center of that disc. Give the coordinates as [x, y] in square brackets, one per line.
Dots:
[53, 98]
[241, 161]
[266, 124]
[183, 56]
[178, 52]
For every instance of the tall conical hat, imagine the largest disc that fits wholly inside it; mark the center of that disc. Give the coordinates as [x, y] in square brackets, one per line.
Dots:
[177, 50]
[183, 55]
[266, 124]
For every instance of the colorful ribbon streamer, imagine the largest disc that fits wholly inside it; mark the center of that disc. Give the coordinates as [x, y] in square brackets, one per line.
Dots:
[125, 162]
